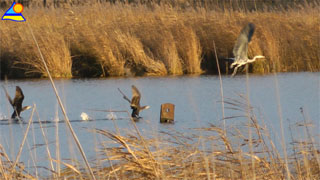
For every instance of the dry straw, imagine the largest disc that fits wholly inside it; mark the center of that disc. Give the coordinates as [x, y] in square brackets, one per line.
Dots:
[102, 39]
[62, 108]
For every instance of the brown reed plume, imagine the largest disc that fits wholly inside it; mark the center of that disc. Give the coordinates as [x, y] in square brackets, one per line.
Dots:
[122, 39]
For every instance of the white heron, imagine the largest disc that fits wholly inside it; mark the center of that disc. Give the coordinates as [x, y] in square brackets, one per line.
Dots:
[240, 49]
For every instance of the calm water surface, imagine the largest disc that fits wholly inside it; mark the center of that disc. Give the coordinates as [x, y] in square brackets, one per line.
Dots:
[197, 100]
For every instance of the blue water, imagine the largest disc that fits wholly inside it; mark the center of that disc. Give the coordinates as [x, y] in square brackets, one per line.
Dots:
[197, 102]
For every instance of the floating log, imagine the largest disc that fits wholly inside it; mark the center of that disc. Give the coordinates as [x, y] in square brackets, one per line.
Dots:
[167, 113]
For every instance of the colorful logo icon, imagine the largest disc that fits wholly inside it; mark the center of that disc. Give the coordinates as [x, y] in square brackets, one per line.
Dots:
[14, 13]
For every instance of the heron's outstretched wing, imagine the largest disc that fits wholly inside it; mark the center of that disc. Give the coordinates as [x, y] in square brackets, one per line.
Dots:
[18, 98]
[240, 49]
[135, 101]
[8, 96]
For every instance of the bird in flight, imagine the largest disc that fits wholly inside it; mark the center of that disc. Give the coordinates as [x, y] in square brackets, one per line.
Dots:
[16, 103]
[240, 49]
[135, 102]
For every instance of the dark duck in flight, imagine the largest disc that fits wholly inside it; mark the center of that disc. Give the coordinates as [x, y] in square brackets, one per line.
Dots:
[135, 102]
[17, 102]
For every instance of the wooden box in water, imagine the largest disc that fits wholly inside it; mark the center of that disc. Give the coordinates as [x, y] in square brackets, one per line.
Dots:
[167, 113]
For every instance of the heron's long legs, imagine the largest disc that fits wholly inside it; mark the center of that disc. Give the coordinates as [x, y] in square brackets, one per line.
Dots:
[243, 62]
[235, 70]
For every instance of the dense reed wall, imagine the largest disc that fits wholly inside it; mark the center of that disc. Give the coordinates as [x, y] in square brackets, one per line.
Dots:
[103, 39]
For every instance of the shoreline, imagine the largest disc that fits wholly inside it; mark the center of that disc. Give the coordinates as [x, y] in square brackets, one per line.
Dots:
[114, 40]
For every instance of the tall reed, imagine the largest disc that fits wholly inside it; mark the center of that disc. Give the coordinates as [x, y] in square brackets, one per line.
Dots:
[102, 39]
[229, 154]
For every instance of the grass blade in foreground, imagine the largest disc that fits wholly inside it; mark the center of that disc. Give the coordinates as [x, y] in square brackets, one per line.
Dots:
[62, 108]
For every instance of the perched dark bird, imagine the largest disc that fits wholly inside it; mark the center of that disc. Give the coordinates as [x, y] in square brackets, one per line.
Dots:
[17, 102]
[240, 49]
[135, 102]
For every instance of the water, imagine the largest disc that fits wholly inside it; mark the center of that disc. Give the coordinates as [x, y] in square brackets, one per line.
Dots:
[197, 100]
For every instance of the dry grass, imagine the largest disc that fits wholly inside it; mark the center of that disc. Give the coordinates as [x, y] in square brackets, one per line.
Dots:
[17, 42]
[202, 153]
[102, 39]
[218, 154]
[138, 40]
[12, 169]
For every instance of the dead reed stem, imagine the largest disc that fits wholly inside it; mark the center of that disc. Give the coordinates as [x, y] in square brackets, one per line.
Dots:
[34, 151]
[221, 87]
[248, 111]
[283, 143]
[47, 145]
[146, 147]
[62, 108]
[24, 139]
[57, 142]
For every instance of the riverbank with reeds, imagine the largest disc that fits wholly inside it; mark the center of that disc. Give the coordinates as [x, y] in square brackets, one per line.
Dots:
[102, 39]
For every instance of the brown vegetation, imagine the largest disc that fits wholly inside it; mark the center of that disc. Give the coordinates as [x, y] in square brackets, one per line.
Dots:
[241, 152]
[244, 151]
[102, 39]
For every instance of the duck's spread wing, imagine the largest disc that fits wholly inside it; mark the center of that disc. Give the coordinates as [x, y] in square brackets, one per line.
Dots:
[124, 96]
[135, 101]
[8, 96]
[18, 98]
[135, 91]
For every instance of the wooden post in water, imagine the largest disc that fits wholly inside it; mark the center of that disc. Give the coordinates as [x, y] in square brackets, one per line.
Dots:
[167, 113]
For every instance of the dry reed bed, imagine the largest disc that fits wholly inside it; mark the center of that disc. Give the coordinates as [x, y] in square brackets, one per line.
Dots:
[100, 40]
[208, 153]
[8, 172]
